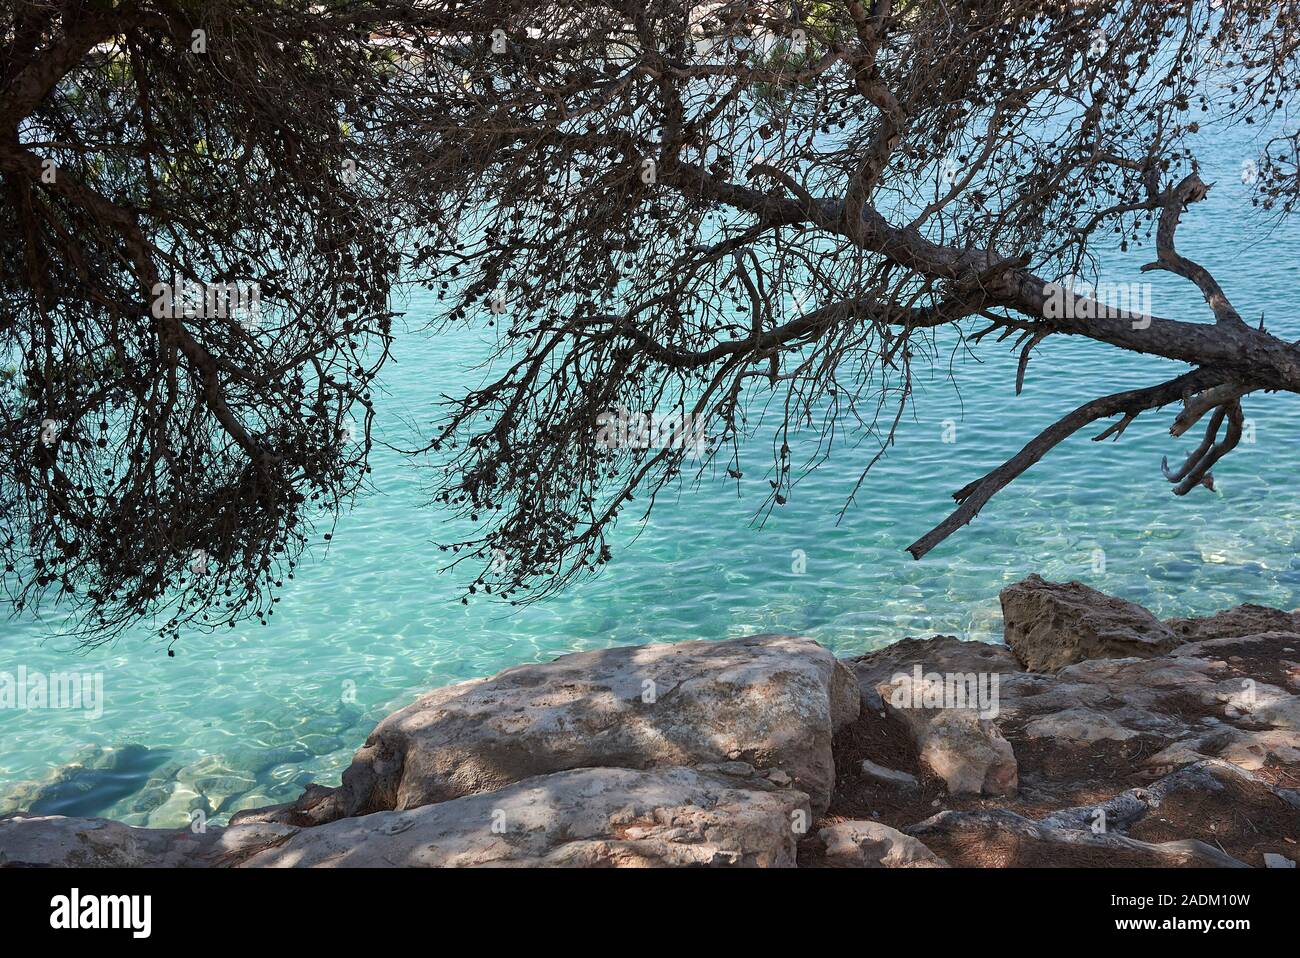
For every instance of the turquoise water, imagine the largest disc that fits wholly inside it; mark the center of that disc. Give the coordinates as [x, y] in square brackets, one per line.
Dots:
[250, 716]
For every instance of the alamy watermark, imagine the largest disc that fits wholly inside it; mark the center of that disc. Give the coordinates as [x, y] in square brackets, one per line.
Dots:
[187, 298]
[28, 691]
[622, 429]
[75, 911]
[1075, 299]
[950, 690]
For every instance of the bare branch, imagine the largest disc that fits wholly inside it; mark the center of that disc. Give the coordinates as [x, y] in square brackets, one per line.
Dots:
[1191, 189]
[974, 496]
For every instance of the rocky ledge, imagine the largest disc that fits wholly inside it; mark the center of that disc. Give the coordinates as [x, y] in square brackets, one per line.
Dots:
[1096, 736]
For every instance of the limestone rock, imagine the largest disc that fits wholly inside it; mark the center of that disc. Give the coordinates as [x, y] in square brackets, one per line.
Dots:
[959, 744]
[1208, 699]
[54, 841]
[773, 701]
[968, 753]
[1079, 726]
[888, 776]
[590, 817]
[1001, 838]
[1049, 625]
[866, 844]
[83, 786]
[1247, 619]
[315, 805]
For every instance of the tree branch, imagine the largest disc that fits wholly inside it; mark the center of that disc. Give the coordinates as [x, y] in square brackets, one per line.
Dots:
[974, 496]
[1175, 202]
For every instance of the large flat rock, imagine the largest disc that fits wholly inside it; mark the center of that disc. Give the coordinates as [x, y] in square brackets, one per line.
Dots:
[56, 841]
[590, 817]
[772, 701]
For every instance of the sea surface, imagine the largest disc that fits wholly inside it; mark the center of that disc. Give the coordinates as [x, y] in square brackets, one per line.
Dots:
[251, 715]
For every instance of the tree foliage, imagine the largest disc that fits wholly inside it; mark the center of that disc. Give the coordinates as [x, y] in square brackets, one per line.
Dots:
[654, 207]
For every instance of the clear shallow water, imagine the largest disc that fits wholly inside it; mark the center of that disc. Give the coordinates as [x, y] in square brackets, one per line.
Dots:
[250, 716]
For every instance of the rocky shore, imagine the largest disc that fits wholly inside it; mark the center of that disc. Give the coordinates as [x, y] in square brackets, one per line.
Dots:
[1096, 736]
